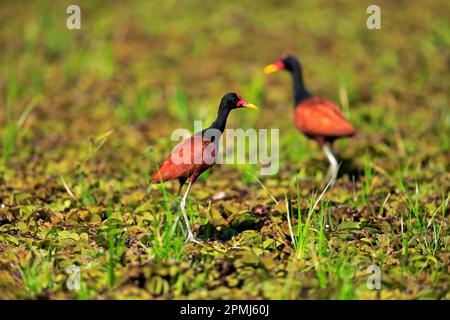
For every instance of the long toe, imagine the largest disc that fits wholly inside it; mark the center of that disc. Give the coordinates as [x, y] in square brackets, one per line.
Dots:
[193, 239]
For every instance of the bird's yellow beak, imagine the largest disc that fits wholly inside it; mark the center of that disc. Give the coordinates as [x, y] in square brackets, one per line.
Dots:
[271, 68]
[250, 106]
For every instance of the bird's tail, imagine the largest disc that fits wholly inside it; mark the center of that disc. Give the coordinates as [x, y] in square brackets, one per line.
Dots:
[156, 177]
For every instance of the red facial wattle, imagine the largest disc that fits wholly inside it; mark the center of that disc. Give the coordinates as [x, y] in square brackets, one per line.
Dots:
[241, 102]
[279, 64]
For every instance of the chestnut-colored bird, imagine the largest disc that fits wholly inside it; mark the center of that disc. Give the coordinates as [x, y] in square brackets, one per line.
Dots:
[317, 118]
[194, 155]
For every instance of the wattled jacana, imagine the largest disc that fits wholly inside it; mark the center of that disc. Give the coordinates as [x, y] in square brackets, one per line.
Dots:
[194, 155]
[317, 118]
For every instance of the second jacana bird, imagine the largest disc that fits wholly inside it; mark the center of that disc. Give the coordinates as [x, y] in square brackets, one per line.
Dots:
[317, 118]
[194, 155]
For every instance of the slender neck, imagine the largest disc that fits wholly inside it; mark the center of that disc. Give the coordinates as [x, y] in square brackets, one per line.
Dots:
[221, 120]
[300, 92]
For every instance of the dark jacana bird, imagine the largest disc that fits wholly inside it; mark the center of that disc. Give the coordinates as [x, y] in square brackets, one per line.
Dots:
[318, 118]
[194, 155]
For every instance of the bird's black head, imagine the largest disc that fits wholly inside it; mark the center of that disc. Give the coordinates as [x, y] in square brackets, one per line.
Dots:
[292, 65]
[285, 62]
[229, 102]
[233, 101]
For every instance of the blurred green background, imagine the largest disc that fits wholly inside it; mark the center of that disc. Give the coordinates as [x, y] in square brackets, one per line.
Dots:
[138, 61]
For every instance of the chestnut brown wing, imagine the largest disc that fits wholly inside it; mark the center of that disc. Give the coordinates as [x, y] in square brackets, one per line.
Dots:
[189, 158]
[322, 118]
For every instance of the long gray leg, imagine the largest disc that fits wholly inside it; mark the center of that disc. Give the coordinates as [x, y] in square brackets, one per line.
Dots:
[333, 169]
[186, 219]
[175, 206]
